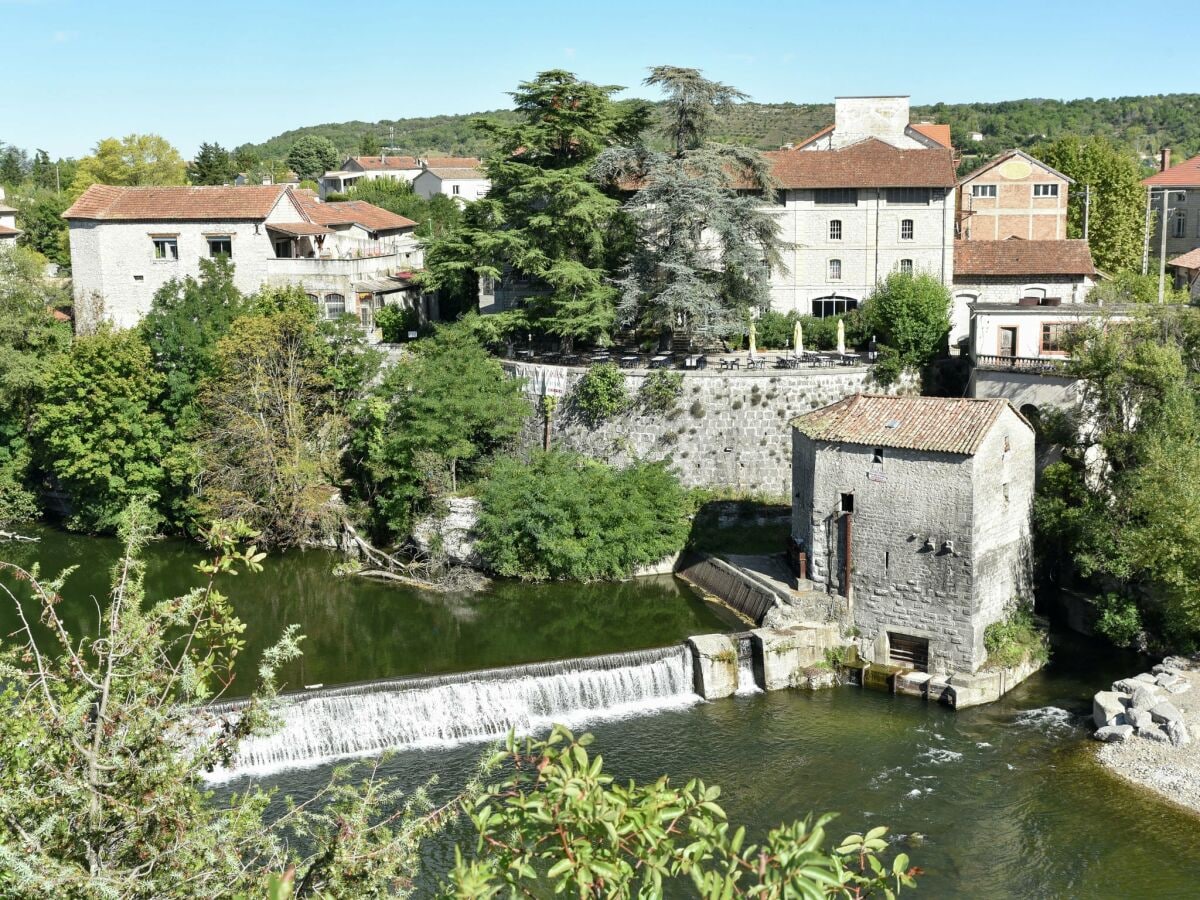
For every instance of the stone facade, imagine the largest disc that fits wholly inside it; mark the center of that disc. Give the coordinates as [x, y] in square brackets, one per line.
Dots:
[727, 429]
[939, 542]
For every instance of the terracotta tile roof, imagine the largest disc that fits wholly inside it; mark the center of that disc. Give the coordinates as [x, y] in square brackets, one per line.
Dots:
[1186, 174]
[6, 231]
[939, 133]
[452, 162]
[867, 164]
[1018, 257]
[299, 228]
[131, 204]
[813, 137]
[387, 163]
[457, 173]
[1007, 155]
[935, 424]
[1190, 260]
[352, 212]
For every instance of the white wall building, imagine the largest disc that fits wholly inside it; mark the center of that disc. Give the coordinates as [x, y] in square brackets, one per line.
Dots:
[869, 195]
[127, 242]
[8, 223]
[464, 183]
[356, 169]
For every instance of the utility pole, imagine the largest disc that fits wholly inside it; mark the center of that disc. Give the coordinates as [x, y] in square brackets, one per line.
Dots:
[1162, 246]
[1087, 209]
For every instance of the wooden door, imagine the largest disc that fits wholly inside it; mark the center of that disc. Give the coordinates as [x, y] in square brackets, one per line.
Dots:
[1008, 342]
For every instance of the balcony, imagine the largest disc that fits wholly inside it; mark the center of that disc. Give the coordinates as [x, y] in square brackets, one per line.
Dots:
[1037, 365]
[334, 267]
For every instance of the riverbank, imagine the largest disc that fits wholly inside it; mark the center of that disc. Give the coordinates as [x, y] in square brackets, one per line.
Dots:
[1169, 770]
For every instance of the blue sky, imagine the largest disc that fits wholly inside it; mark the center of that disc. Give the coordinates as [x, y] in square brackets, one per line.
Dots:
[233, 72]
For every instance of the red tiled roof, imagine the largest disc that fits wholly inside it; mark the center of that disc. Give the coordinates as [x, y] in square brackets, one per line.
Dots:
[936, 424]
[6, 231]
[452, 162]
[866, 164]
[352, 212]
[299, 228]
[109, 203]
[1018, 257]
[1189, 260]
[457, 173]
[939, 133]
[1186, 174]
[377, 163]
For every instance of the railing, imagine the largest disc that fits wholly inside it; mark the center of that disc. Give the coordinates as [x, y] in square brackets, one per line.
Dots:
[315, 265]
[1037, 364]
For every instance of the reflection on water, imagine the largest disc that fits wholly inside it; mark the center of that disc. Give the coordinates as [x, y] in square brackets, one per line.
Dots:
[357, 629]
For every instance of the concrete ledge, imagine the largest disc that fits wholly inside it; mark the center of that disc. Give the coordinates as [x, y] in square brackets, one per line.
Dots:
[987, 685]
[716, 664]
[749, 596]
[787, 652]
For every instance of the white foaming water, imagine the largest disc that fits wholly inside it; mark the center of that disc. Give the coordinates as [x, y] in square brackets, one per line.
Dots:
[745, 673]
[1046, 719]
[362, 720]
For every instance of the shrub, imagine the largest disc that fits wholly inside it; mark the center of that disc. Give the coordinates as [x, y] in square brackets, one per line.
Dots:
[1015, 638]
[660, 390]
[601, 393]
[1119, 619]
[561, 516]
[910, 313]
[396, 322]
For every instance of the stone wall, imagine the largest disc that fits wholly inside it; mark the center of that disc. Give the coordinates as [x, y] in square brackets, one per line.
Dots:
[728, 430]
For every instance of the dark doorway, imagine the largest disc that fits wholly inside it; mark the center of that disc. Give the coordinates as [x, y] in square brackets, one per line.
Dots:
[909, 652]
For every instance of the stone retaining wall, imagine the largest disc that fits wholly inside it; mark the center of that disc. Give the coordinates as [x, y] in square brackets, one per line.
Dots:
[728, 429]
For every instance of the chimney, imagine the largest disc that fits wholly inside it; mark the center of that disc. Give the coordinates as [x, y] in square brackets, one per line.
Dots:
[1166, 159]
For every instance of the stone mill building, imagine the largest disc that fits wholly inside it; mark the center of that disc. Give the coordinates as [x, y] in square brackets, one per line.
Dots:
[916, 510]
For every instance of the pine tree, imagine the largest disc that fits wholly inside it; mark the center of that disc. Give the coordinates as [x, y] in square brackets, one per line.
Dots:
[212, 165]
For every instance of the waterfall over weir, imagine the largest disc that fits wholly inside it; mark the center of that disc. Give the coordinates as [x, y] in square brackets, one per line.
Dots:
[401, 713]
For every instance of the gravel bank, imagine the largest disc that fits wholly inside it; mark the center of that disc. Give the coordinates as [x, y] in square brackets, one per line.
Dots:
[1170, 770]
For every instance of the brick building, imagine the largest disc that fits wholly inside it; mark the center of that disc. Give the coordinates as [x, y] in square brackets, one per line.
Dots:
[1178, 187]
[917, 511]
[1014, 195]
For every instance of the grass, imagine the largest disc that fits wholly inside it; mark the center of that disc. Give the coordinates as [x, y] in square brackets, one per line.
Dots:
[1016, 638]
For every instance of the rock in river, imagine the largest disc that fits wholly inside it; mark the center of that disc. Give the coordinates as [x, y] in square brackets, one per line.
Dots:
[1111, 733]
[1108, 708]
[1166, 712]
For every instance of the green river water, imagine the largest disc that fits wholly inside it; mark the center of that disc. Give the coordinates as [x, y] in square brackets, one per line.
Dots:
[1004, 800]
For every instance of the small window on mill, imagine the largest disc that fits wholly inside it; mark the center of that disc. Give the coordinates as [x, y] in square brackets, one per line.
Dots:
[1007, 445]
[847, 503]
[877, 455]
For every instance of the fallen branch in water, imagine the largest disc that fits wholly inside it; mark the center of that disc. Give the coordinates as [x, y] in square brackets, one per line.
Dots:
[421, 571]
[13, 536]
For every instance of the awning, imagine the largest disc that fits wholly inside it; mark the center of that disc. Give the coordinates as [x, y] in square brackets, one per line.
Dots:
[382, 285]
[298, 229]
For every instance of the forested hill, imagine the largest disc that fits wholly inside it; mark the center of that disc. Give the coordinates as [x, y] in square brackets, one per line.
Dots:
[1143, 124]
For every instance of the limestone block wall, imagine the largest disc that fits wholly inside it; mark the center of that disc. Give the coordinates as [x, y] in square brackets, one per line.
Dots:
[727, 430]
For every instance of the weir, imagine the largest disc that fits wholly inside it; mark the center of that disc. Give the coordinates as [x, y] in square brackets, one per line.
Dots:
[401, 713]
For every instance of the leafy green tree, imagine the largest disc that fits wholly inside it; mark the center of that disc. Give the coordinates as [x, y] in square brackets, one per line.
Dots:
[271, 439]
[559, 822]
[30, 342]
[137, 159]
[245, 159]
[212, 165]
[97, 429]
[438, 413]
[43, 228]
[312, 157]
[1117, 220]
[42, 173]
[369, 144]
[562, 516]
[545, 218]
[911, 316]
[186, 320]
[1133, 287]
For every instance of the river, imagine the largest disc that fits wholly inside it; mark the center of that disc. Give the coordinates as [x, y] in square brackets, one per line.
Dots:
[1004, 800]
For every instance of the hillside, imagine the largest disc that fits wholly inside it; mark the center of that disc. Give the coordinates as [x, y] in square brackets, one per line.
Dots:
[1143, 124]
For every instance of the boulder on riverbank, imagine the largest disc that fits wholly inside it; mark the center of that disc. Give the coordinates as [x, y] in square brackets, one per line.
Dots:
[1146, 725]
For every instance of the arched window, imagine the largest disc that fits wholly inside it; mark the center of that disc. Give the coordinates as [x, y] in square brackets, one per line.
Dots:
[832, 305]
[335, 305]
[835, 229]
[835, 270]
[906, 267]
[906, 229]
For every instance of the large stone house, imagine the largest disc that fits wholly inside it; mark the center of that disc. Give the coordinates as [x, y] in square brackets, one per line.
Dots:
[1014, 195]
[869, 195]
[127, 242]
[916, 510]
[1178, 187]
[8, 223]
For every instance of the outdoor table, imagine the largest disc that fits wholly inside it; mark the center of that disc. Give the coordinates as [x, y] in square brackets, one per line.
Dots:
[630, 361]
[849, 359]
[660, 362]
[526, 353]
[695, 361]
[756, 364]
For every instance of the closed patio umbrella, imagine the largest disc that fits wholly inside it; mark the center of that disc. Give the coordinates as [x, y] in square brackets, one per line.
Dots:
[841, 336]
[753, 335]
[798, 339]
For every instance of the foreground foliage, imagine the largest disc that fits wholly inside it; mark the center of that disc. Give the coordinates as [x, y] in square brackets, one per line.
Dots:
[560, 822]
[911, 316]
[562, 516]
